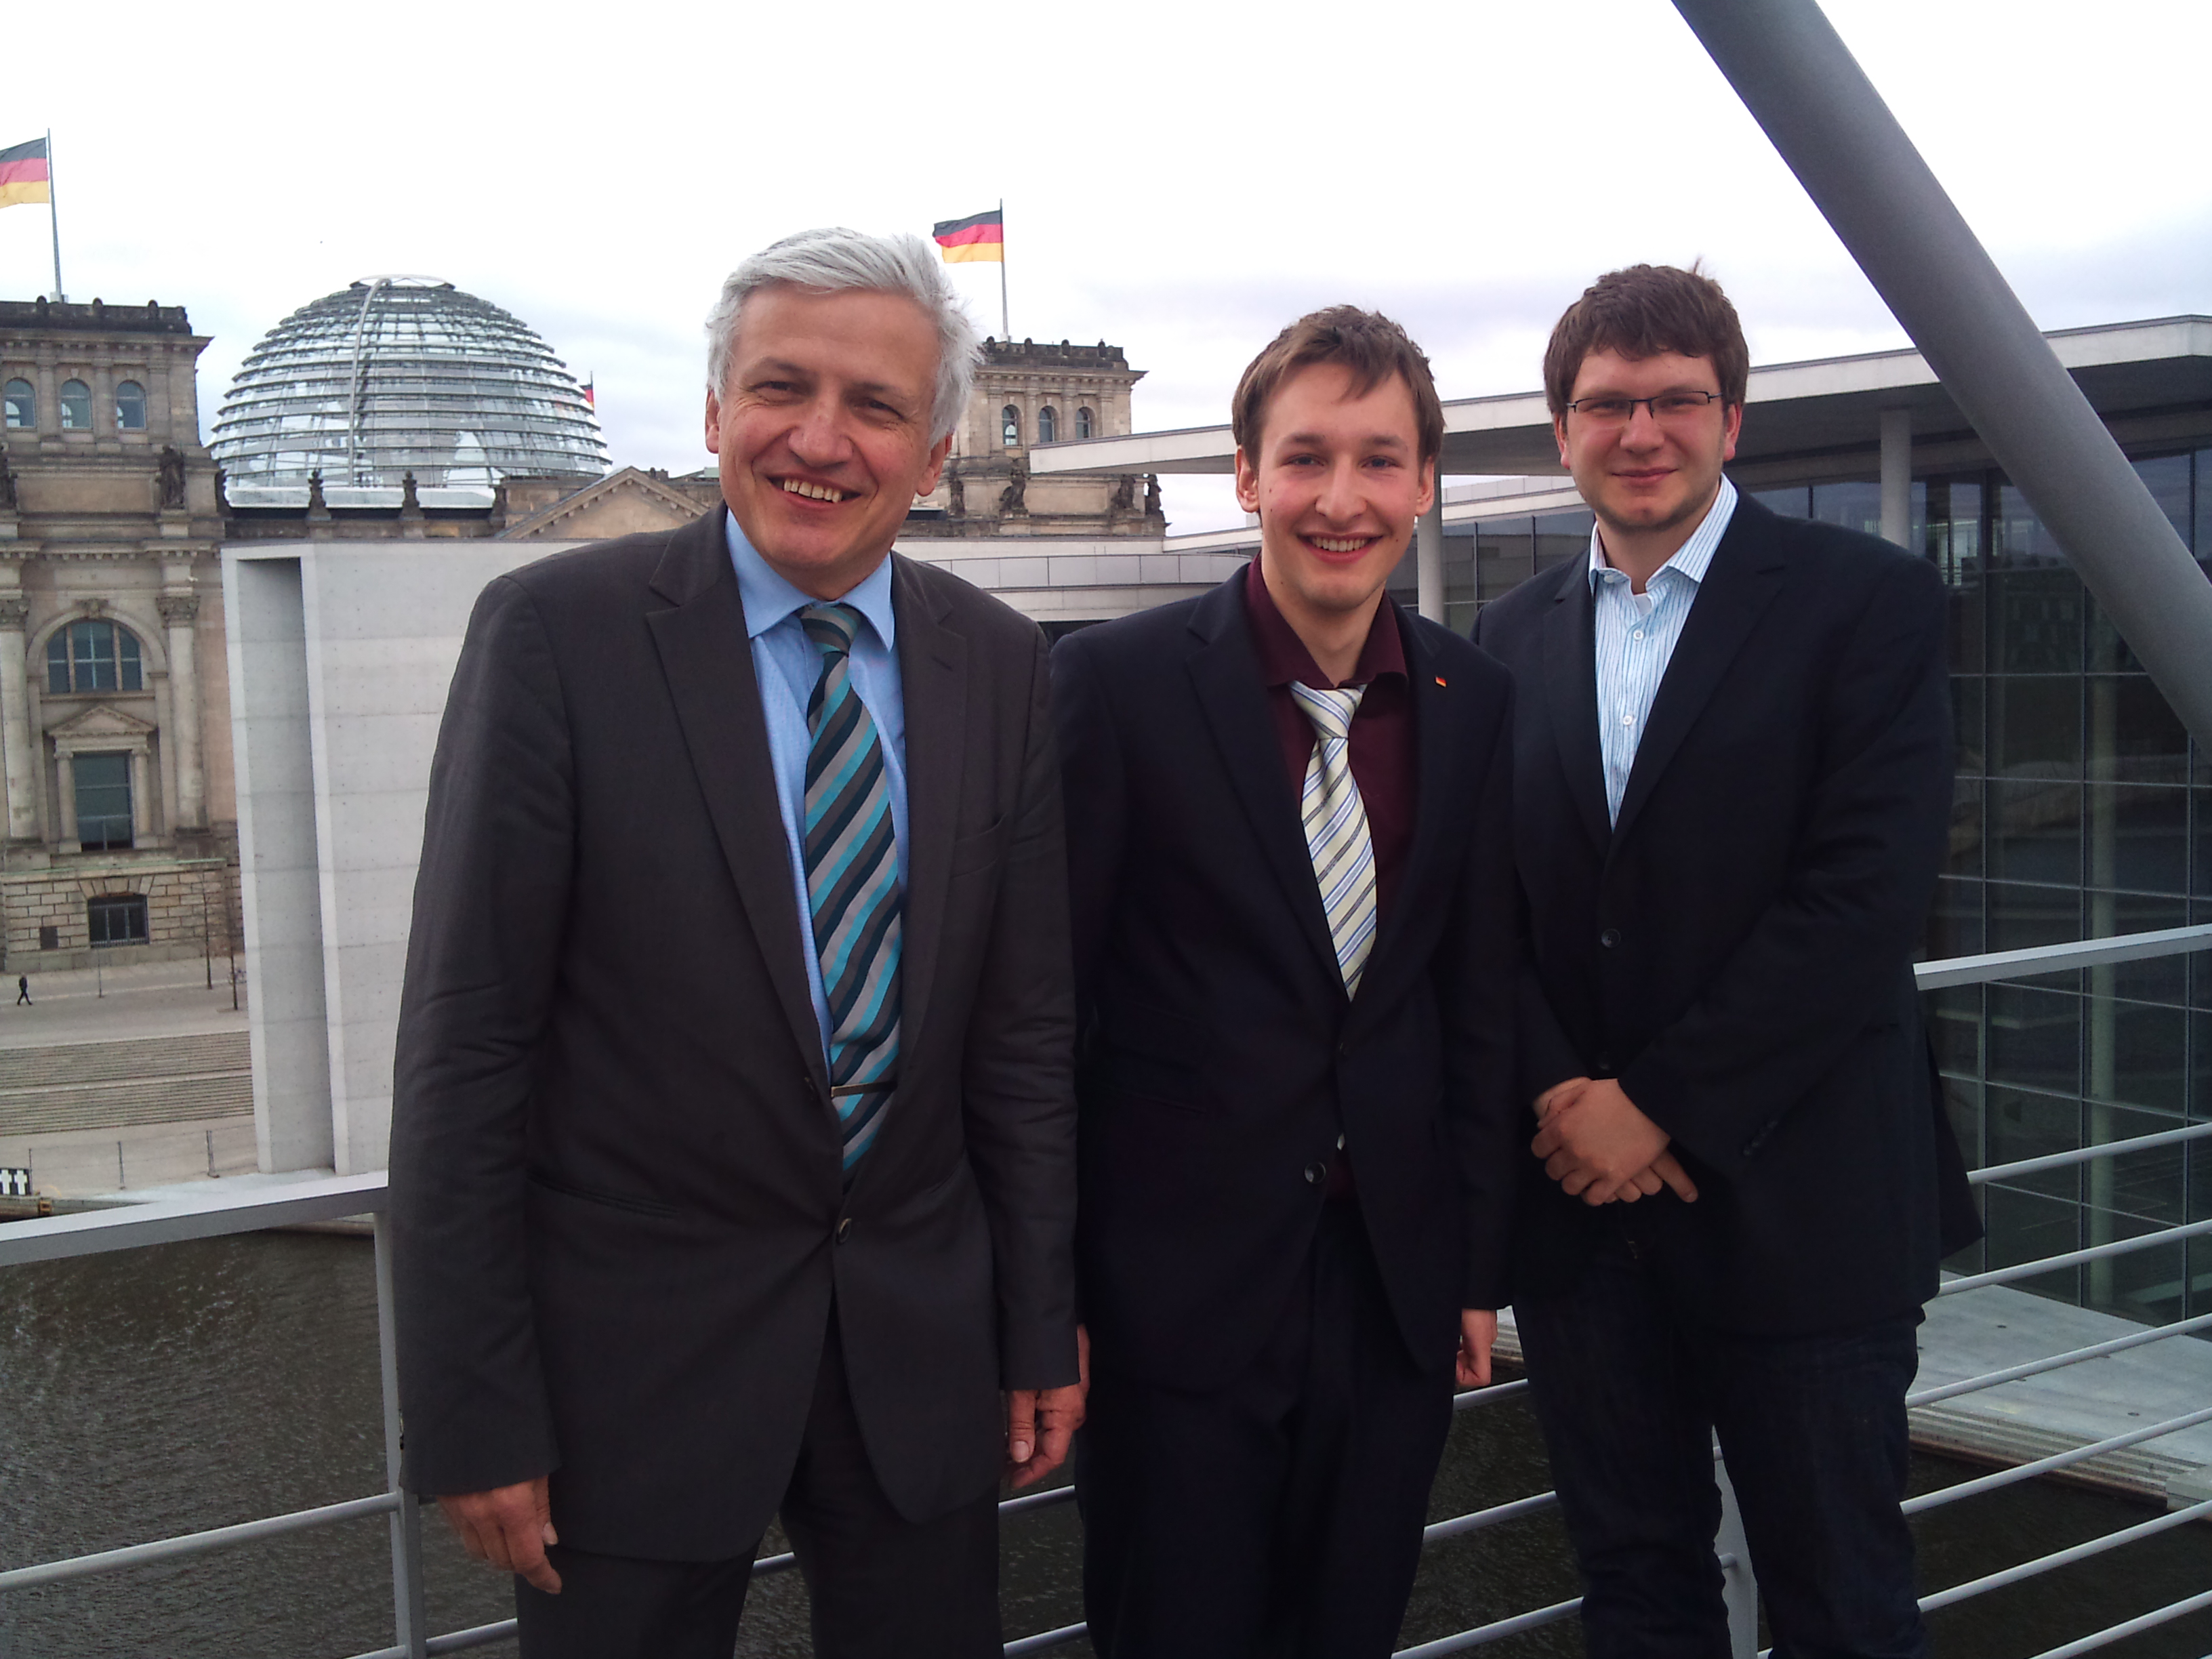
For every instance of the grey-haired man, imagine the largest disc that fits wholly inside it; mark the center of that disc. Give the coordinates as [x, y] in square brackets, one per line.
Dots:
[733, 1138]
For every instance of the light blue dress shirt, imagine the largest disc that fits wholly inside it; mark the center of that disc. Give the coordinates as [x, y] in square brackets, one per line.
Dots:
[1636, 633]
[786, 665]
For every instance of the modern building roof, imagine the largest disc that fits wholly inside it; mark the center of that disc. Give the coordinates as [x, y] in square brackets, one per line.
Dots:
[1796, 411]
[400, 374]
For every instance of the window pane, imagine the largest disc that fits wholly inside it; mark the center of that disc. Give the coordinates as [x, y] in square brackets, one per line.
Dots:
[116, 919]
[131, 673]
[22, 409]
[1047, 427]
[2035, 725]
[76, 406]
[103, 800]
[129, 406]
[1010, 422]
[57, 661]
[2134, 736]
[1795, 503]
[91, 654]
[2138, 838]
[1856, 505]
[1083, 423]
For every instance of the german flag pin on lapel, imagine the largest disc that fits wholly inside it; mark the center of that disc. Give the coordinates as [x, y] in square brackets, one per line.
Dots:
[1440, 679]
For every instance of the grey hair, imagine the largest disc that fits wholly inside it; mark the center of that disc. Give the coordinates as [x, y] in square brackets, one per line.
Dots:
[835, 260]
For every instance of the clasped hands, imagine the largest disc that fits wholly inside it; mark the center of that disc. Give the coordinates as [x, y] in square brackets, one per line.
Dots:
[1599, 1147]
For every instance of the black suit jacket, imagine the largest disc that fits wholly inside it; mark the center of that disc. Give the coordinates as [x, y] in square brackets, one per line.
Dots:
[1737, 949]
[617, 1210]
[1220, 1058]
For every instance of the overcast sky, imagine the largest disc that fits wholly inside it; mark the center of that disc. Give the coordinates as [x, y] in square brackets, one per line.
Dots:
[1180, 179]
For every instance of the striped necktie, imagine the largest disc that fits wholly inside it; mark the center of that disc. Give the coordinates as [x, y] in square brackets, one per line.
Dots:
[851, 883]
[1336, 829]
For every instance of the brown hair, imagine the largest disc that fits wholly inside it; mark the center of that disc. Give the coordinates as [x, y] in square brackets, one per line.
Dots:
[1642, 312]
[1366, 343]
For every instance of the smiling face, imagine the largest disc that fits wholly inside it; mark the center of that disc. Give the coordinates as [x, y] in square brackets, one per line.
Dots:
[1338, 481]
[822, 429]
[1647, 479]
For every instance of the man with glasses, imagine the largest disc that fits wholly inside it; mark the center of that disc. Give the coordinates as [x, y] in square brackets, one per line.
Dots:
[1732, 784]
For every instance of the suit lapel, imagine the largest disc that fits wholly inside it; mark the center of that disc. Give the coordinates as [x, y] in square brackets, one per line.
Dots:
[1435, 739]
[1740, 582]
[933, 683]
[707, 661]
[1570, 698]
[1225, 670]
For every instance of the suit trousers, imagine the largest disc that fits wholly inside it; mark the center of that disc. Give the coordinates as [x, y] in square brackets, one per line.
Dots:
[1630, 1396]
[881, 1587]
[1281, 1515]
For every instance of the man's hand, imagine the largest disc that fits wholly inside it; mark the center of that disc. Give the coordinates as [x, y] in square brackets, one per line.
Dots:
[508, 1526]
[1478, 1332]
[1040, 1422]
[1599, 1147]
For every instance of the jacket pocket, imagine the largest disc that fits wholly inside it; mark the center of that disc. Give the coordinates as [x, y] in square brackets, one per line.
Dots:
[635, 1204]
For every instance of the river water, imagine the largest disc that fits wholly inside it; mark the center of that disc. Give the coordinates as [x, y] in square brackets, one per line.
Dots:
[164, 1390]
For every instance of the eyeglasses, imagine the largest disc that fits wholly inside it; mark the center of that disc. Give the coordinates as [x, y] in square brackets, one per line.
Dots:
[1666, 406]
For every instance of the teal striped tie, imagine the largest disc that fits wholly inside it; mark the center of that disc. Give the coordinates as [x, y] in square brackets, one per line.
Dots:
[851, 883]
[1335, 821]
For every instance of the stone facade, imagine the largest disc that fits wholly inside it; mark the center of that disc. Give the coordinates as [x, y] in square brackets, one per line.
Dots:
[113, 686]
[1027, 394]
[191, 909]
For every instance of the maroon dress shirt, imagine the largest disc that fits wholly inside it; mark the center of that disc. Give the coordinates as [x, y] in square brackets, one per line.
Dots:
[1382, 736]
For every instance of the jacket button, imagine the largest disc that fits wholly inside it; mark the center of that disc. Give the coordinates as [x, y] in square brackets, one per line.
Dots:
[1314, 1173]
[1610, 938]
[844, 1229]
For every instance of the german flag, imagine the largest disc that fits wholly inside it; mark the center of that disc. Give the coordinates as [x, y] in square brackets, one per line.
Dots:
[23, 175]
[980, 236]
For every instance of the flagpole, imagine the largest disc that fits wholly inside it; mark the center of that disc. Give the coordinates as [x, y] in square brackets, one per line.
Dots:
[1005, 320]
[53, 218]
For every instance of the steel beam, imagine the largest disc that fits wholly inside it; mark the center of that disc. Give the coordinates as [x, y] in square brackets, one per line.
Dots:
[1801, 84]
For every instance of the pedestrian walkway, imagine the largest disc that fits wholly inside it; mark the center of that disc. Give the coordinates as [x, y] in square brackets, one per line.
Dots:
[120, 1081]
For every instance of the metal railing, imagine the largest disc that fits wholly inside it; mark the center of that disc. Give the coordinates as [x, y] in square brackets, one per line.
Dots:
[218, 1214]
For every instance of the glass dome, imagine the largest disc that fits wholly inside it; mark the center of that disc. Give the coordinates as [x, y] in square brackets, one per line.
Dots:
[400, 374]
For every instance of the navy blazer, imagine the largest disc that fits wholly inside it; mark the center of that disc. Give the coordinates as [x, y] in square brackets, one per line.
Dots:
[1220, 1057]
[1737, 949]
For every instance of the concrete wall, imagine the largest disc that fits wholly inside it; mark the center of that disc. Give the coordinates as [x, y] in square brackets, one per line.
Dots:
[340, 658]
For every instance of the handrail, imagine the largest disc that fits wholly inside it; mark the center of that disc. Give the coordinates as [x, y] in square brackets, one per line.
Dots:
[1949, 971]
[2087, 1154]
[218, 1213]
[2037, 1367]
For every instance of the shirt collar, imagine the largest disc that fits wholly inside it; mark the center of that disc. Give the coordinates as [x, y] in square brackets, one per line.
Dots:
[1283, 655]
[769, 598]
[1694, 556]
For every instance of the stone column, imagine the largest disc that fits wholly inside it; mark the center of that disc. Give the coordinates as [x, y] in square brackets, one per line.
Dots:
[179, 614]
[65, 779]
[142, 796]
[23, 772]
[1896, 476]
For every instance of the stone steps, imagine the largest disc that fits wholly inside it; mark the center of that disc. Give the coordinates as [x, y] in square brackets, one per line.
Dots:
[113, 1085]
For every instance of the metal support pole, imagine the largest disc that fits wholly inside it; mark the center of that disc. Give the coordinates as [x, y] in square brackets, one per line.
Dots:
[1897, 477]
[1429, 560]
[411, 1629]
[1739, 1589]
[1801, 84]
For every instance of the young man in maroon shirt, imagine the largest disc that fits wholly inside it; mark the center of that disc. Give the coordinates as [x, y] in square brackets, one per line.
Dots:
[1295, 956]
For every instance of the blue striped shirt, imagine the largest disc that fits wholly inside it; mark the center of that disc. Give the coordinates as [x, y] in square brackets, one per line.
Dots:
[1637, 635]
[786, 665]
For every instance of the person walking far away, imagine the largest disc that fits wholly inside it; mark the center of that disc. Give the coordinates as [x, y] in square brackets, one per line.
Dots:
[733, 1134]
[1732, 794]
[1296, 950]
[23, 990]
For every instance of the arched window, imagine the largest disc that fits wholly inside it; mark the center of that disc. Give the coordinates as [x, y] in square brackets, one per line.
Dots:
[1010, 421]
[76, 406]
[94, 656]
[1047, 427]
[22, 405]
[1084, 426]
[129, 406]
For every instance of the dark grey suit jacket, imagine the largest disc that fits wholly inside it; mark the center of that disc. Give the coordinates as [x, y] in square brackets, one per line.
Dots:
[617, 1211]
